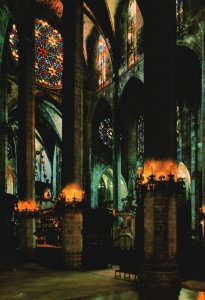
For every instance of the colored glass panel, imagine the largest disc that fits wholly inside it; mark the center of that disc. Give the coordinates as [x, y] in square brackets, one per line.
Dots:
[106, 132]
[48, 53]
[102, 55]
[132, 33]
[104, 64]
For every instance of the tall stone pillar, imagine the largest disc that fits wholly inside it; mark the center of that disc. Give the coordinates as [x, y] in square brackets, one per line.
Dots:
[160, 80]
[116, 160]
[4, 19]
[202, 26]
[26, 124]
[160, 213]
[72, 106]
[26, 107]
[116, 148]
[72, 125]
[87, 145]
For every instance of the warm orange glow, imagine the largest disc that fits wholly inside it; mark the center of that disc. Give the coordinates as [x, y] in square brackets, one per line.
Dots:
[72, 191]
[47, 194]
[27, 205]
[183, 172]
[203, 209]
[159, 168]
[201, 296]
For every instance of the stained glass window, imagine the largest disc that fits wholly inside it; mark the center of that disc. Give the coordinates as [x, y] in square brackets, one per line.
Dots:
[179, 14]
[104, 63]
[101, 62]
[132, 33]
[13, 39]
[106, 132]
[48, 53]
[140, 141]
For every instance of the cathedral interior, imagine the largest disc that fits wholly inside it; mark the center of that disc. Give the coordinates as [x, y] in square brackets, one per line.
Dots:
[102, 140]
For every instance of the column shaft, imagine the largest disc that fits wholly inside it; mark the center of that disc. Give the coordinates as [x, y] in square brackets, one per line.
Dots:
[203, 108]
[72, 106]
[160, 63]
[87, 144]
[26, 110]
[4, 18]
[116, 149]
[26, 127]
[160, 205]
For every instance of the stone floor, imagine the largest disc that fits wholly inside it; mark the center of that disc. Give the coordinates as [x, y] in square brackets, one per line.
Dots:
[31, 281]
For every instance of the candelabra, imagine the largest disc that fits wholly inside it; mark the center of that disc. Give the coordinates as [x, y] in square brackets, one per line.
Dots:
[152, 183]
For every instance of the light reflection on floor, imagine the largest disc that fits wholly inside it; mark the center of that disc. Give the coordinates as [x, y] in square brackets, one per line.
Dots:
[191, 295]
[185, 294]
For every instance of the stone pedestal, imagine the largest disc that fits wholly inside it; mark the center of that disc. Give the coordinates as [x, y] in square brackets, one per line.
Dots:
[26, 238]
[168, 294]
[160, 268]
[72, 239]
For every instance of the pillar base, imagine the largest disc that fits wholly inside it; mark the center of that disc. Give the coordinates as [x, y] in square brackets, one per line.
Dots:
[72, 239]
[159, 294]
[160, 279]
[160, 267]
[72, 261]
[26, 241]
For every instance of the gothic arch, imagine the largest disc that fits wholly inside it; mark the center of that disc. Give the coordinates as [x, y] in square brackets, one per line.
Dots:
[190, 46]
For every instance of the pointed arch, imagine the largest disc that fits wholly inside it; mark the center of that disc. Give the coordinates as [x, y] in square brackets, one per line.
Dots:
[183, 172]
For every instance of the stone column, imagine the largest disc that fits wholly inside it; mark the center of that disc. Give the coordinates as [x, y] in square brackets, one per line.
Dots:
[25, 235]
[160, 80]
[72, 238]
[26, 109]
[87, 145]
[160, 239]
[4, 19]
[116, 148]
[160, 214]
[72, 125]
[26, 124]
[116, 160]
[202, 27]
[72, 106]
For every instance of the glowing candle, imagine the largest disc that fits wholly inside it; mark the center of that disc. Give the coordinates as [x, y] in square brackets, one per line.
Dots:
[151, 169]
